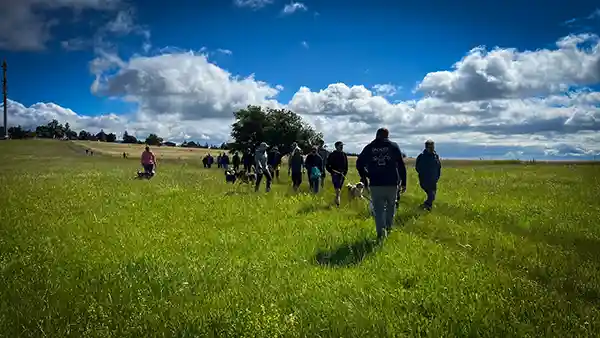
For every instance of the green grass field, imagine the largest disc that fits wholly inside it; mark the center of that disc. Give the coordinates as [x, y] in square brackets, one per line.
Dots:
[87, 251]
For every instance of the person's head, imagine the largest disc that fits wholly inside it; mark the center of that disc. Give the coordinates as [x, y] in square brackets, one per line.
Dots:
[429, 146]
[263, 145]
[339, 146]
[275, 148]
[147, 148]
[382, 133]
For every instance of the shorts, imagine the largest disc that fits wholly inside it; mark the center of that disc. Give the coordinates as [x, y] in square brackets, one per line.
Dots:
[148, 168]
[297, 178]
[337, 180]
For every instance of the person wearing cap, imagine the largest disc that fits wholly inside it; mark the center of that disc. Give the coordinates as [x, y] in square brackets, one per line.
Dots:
[337, 166]
[314, 167]
[381, 166]
[261, 166]
[324, 155]
[429, 169]
[274, 161]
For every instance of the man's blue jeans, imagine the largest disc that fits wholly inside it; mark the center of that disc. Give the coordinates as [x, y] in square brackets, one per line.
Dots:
[384, 206]
[315, 183]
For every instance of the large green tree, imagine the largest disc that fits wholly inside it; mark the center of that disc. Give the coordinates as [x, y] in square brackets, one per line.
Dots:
[277, 127]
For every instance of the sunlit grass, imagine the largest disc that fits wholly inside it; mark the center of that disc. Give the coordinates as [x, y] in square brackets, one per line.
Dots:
[86, 250]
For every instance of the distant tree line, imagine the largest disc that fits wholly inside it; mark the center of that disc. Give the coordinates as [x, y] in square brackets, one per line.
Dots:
[56, 130]
[253, 125]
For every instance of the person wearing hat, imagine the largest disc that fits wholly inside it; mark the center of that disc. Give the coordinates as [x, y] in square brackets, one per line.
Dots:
[381, 166]
[429, 169]
[337, 166]
[261, 166]
[274, 161]
[314, 167]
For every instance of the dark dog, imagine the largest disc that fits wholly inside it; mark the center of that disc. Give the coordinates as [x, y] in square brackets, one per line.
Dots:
[246, 177]
[230, 176]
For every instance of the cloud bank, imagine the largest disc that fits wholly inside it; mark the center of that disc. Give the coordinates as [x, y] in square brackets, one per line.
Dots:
[499, 103]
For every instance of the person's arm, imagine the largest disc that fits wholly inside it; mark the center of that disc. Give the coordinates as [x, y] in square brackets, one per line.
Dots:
[418, 164]
[321, 164]
[328, 166]
[401, 170]
[345, 164]
[439, 168]
[361, 163]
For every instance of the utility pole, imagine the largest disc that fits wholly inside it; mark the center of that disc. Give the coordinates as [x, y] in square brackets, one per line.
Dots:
[5, 100]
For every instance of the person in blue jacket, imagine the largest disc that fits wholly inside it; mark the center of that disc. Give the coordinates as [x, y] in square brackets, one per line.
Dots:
[381, 166]
[429, 169]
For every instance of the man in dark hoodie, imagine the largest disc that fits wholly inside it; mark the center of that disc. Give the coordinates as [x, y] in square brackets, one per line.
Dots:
[235, 160]
[381, 166]
[314, 168]
[337, 166]
[225, 161]
[429, 168]
[248, 160]
[274, 161]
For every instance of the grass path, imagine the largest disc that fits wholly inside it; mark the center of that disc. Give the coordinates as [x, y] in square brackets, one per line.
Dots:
[85, 250]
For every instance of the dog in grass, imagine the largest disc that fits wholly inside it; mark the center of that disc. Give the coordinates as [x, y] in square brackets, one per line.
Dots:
[356, 191]
[230, 176]
[246, 177]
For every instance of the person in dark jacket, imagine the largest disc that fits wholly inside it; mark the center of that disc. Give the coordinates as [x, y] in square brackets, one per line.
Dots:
[337, 166]
[205, 161]
[296, 167]
[219, 162]
[274, 160]
[381, 167]
[314, 167]
[209, 160]
[235, 161]
[429, 169]
[248, 160]
[324, 155]
[225, 161]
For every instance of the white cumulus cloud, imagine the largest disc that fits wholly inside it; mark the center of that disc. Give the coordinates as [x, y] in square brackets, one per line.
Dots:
[182, 95]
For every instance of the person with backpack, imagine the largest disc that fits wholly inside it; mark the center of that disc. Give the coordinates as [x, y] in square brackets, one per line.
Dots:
[337, 166]
[296, 167]
[381, 166]
[314, 167]
[429, 169]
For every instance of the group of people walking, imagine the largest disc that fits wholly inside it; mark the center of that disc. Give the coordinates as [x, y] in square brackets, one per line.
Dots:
[380, 166]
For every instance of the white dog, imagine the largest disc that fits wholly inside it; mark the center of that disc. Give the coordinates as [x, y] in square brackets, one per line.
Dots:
[356, 192]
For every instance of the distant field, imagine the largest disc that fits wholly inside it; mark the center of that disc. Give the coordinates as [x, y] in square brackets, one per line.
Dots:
[88, 251]
[172, 153]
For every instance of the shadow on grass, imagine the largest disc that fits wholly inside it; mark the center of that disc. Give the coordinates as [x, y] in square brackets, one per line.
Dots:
[348, 254]
[555, 275]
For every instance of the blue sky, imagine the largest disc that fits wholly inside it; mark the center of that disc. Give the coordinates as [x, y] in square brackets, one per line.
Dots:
[354, 43]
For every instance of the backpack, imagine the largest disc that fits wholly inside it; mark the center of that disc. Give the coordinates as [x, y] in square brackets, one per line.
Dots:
[315, 173]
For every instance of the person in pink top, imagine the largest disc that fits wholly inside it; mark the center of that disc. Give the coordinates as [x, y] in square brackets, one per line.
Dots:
[148, 162]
